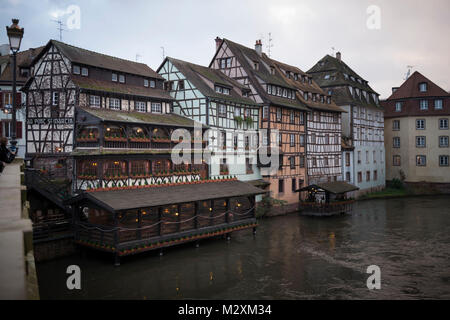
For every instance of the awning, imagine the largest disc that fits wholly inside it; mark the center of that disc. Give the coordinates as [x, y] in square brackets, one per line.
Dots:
[129, 199]
[335, 187]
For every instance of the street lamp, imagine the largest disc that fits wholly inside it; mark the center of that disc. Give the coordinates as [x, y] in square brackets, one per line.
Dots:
[15, 34]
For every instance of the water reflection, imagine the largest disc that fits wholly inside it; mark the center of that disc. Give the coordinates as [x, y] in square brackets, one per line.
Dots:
[291, 257]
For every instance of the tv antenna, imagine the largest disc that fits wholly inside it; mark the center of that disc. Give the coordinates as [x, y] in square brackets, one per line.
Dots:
[334, 49]
[60, 28]
[270, 44]
[163, 52]
[408, 73]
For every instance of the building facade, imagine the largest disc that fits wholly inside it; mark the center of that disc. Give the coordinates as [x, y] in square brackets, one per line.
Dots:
[363, 152]
[417, 132]
[282, 120]
[23, 71]
[222, 104]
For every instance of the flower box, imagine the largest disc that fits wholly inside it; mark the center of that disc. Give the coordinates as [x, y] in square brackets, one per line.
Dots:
[136, 139]
[116, 139]
[161, 140]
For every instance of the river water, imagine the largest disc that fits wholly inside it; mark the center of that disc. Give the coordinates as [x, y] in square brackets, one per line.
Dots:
[291, 257]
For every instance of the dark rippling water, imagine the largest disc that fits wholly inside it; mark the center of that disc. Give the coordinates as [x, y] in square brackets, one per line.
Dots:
[291, 257]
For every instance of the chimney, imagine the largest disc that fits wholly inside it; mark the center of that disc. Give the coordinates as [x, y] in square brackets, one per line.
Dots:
[218, 43]
[338, 56]
[394, 89]
[258, 47]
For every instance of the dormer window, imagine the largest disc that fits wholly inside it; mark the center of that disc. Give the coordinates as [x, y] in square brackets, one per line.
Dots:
[121, 78]
[25, 72]
[330, 92]
[152, 84]
[222, 90]
[423, 87]
[296, 76]
[288, 74]
[272, 70]
[322, 99]
[328, 100]
[76, 69]
[84, 71]
[345, 76]
[327, 77]
[114, 77]
[310, 80]
[146, 84]
[255, 65]
[181, 85]
[305, 96]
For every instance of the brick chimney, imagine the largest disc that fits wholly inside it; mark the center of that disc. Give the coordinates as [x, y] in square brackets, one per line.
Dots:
[338, 56]
[218, 43]
[258, 47]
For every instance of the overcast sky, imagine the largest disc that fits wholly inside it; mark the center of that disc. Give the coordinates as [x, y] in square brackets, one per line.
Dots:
[412, 32]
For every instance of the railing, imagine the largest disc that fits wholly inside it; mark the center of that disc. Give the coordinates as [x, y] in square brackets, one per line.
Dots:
[52, 230]
[331, 208]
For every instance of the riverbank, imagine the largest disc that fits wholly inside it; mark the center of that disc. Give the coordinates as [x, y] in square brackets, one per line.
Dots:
[415, 190]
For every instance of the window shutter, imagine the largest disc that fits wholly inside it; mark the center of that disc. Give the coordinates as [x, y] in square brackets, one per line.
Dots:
[18, 99]
[19, 129]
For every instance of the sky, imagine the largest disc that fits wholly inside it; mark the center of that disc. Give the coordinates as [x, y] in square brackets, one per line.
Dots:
[378, 39]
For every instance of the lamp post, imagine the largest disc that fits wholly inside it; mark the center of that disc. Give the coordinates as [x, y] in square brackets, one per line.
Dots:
[15, 34]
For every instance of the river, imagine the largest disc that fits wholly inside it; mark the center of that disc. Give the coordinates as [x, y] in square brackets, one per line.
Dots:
[291, 257]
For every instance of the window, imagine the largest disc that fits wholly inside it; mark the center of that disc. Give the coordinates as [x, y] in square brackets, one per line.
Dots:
[280, 186]
[94, 101]
[396, 125]
[278, 114]
[302, 161]
[396, 160]
[265, 112]
[443, 161]
[156, 107]
[347, 159]
[223, 136]
[181, 85]
[398, 106]
[225, 63]
[443, 141]
[280, 138]
[146, 84]
[294, 184]
[224, 167]
[421, 160]
[420, 124]
[248, 166]
[396, 142]
[152, 83]
[438, 104]
[122, 78]
[292, 140]
[374, 156]
[255, 65]
[423, 87]
[84, 71]
[347, 176]
[235, 142]
[292, 162]
[375, 175]
[367, 175]
[302, 118]
[359, 176]
[314, 161]
[114, 77]
[305, 96]
[302, 140]
[292, 117]
[114, 104]
[222, 110]
[55, 98]
[420, 142]
[367, 156]
[423, 104]
[141, 106]
[443, 124]
[76, 69]
[359, 156]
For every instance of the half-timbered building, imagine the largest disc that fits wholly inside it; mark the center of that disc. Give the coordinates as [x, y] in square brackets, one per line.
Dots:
[282, 116]
[362, 123]
[323, 125]
[210, 97]
[99, 126]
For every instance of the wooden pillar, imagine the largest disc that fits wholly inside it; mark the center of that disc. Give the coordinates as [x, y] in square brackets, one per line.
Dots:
[227, 209]
[196, 208]
[211, 212]
[159, 220]
[139, 225]
[179, 218]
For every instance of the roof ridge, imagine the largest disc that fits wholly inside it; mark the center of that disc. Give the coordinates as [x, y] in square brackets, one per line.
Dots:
[95, 52]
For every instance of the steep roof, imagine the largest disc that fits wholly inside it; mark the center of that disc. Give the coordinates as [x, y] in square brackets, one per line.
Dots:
[410, 88]
[128, 199]
[95, 59]
[244, 54]
[24, 60]
[119, 88]
[197, 75]
[335, 74]
[305, 87]
[170, 119]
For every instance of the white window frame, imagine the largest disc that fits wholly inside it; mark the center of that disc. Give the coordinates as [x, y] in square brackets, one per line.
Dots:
[398, 106]
[146, 83]
[222, 110]
[114, 104]
[156, 107]
[84, 71]
[443, 163]
[114, 77]
[140, 106]
[421, 141]
[94, 101]
[423, 104]
[55, 99]
[421, 160]
[76, 69]
[122, 76]
[443, 141]
[420, 127]
[441, 122]
[423, 87]
[152, 83]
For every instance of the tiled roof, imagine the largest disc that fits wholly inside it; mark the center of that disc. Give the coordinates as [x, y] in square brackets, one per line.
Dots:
[119, 88]
[171, 119]
[197, 75]
[128, 199]
[91, 58]
[244, 54]
[410, 88]
[24, 60]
